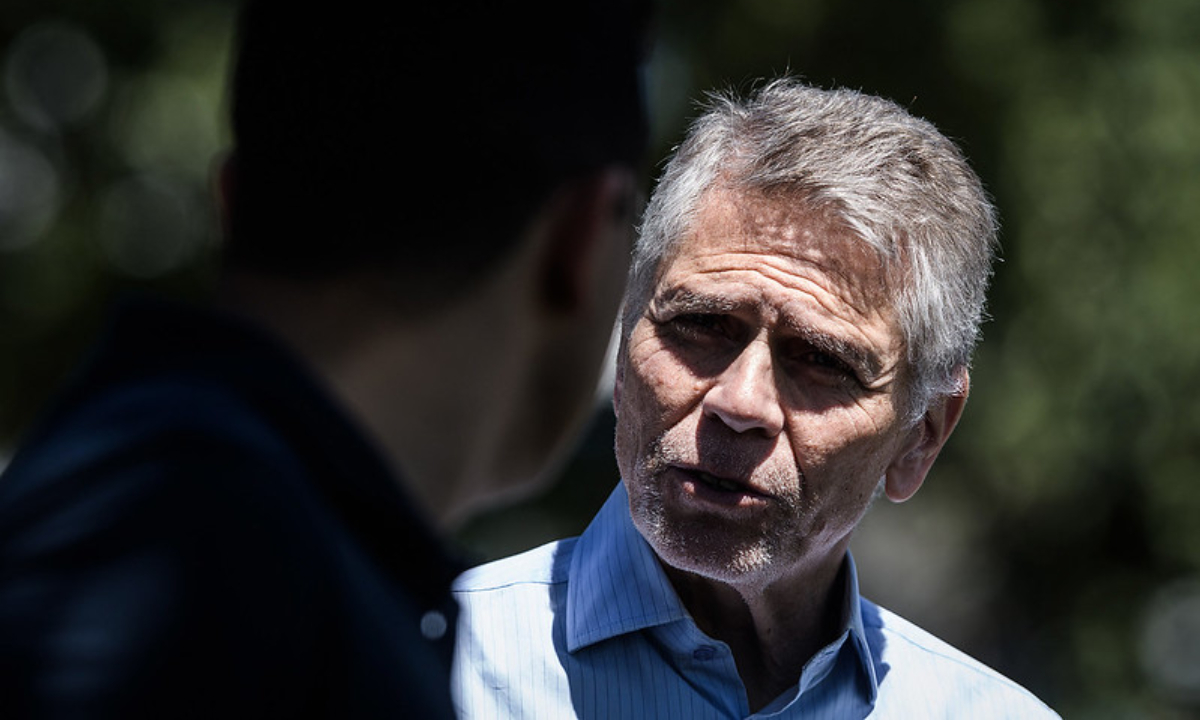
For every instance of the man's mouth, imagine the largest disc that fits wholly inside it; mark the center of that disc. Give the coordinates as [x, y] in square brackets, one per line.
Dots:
[703, 485]
[719, 483]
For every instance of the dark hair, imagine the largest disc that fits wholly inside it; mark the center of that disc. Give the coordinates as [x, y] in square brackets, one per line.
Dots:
[421, 136]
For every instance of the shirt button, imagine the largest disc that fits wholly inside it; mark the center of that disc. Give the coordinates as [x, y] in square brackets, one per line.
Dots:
[704, 652]
[433, 625]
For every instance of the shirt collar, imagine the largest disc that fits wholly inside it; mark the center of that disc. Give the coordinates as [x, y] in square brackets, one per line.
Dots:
[852, 613]
[612, 557]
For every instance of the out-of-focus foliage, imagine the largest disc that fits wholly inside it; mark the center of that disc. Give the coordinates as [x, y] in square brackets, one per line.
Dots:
[110, 117]
[1058, 538]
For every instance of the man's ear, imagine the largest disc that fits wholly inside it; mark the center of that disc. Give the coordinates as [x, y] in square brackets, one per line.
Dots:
[589, 226]
[224, 187]
[618, 378]
[907, 472]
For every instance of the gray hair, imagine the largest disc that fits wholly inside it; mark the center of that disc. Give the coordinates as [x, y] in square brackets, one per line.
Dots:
[899, 184]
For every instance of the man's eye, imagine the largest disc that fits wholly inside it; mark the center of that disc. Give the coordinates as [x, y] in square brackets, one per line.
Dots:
[698, 323]
[829, 365]
[824, 360]
[703, 327]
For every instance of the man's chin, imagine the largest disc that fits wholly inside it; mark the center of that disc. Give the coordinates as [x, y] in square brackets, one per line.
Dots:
[709, 551]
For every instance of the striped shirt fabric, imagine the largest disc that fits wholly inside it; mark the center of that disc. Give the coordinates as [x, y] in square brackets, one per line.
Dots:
[590, 627]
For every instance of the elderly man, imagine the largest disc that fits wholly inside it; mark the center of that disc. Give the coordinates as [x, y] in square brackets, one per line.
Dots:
[802, 308]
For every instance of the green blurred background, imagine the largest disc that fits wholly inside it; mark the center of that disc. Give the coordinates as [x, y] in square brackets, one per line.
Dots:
[1058, 538]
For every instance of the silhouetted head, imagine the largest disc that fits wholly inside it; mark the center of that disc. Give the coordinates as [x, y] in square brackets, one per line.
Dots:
[421, 137]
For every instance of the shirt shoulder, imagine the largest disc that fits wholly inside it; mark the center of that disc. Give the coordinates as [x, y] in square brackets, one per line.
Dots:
[931, 678]
[510, 656]
[545, 565]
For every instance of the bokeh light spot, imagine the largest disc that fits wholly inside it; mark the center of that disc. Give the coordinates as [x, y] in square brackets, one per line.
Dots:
[149, 226]
[1170, 640]
[29, 193]
[55, 75]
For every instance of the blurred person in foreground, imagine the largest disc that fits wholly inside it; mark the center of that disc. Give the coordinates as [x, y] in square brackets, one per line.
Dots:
[804, 301]
[235, 511]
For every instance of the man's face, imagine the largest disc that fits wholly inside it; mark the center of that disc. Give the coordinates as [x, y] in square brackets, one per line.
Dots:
[759, 395]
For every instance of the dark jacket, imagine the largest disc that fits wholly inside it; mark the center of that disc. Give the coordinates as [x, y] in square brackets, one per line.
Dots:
[197, 530]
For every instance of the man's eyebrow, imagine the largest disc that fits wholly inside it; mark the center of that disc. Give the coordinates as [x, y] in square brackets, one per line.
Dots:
[683, 300]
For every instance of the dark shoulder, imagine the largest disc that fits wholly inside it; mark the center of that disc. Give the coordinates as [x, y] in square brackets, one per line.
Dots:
[153, 534]
[175, 463]
[151, 436]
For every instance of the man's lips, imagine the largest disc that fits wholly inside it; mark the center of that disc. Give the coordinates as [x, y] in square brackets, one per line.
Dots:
[720, 483]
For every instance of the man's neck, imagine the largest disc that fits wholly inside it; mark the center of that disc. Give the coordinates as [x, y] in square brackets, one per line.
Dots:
[416, 383]
[772, 631]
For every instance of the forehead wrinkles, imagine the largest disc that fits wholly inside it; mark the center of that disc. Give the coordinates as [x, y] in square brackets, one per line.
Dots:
[786, 235]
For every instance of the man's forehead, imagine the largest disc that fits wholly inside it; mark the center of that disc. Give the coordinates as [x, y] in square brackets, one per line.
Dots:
[785, 222]
[780, 229]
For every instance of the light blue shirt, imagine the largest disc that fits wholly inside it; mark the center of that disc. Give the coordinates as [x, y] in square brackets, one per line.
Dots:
[590, 627]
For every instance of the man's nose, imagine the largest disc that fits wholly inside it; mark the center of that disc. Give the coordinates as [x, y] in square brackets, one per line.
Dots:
[744, 396]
